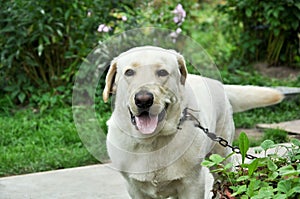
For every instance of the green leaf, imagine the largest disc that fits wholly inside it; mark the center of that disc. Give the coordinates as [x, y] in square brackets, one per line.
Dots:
[271, 165]
[59, 32]
[276, 13]
[21, 97]
[216, 158]
[276, 32]
[252, 166]
[40, 49]
[267, 144]
[284, 186]
[244, 197]
[280, 196]
[296, 142]
[248, 12]
[241, 189]
[242, 178]
[207, 163]
[46, 40]
[295, 24]
[15, 93]
[228, 166]
[266, 192]
[273, 176]
[67, 14]
[253, 186]
[294, 190]
[243, 145]
[288, 171]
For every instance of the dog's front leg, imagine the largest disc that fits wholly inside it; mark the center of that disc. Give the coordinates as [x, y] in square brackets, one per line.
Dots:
[134, 188]
[136, 193]
[197, 185]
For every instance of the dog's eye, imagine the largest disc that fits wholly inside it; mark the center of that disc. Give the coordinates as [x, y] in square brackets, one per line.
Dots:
[162, 73]
[129, 72]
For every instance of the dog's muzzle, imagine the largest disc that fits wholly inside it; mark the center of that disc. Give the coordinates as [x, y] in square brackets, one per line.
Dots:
[145, 121]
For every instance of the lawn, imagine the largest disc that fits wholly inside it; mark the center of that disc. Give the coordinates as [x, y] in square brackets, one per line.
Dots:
[31, 142]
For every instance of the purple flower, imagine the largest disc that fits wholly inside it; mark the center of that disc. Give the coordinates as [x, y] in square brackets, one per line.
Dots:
[103, 28]
[180, 14]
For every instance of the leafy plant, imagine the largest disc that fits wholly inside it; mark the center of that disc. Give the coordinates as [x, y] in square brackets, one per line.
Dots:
[43, 42]
[272, 176]
[269, 29]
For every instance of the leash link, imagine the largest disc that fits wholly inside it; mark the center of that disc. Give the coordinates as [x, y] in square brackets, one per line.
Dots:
[223, 142]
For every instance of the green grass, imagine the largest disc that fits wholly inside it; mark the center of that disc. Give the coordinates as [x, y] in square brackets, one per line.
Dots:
[31, 142]
[287, 110]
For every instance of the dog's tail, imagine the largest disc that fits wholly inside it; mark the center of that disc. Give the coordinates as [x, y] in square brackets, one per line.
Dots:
[243, 98]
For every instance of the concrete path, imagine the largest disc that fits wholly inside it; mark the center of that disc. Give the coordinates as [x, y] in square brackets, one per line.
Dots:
[90, 182]
[289, 126]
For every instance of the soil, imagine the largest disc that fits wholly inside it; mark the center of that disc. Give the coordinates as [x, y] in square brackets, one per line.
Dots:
[278, 72]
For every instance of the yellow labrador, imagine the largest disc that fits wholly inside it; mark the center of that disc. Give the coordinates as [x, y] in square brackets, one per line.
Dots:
[152, 89]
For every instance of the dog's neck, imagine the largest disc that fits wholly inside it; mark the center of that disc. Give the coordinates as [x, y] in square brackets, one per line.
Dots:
[152, 143]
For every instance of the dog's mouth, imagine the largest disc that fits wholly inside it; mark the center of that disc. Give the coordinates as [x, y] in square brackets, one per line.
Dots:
[145, 122]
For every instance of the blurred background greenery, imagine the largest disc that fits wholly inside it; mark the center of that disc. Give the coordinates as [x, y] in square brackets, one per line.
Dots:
[43, 44]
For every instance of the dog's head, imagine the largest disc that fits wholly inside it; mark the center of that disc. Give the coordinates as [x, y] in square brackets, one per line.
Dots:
[147, 82]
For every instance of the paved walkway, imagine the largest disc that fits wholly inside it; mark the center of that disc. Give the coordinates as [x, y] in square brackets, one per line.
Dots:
[289, 126]
[90, 182]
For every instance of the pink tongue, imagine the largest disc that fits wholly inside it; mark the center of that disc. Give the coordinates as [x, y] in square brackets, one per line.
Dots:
[146, 124]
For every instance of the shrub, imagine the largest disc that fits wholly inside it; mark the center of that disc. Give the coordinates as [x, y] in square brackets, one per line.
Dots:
[270, 29]
[43, 42]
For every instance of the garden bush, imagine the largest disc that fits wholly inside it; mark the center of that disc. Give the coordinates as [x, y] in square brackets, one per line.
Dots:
[270, 29]
[43, 42]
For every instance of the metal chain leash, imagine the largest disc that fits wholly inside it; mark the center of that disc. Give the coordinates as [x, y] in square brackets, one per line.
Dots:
[223, 142]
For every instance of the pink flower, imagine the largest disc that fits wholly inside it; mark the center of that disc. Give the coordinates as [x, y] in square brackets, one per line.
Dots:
[174, 35]
[103, 28]
[180, 14]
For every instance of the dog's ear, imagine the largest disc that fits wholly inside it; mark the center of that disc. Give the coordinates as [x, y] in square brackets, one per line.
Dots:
[182, 68]
[109, 81]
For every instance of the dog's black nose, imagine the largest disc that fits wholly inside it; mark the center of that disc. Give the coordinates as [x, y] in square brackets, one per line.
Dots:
[143, 99]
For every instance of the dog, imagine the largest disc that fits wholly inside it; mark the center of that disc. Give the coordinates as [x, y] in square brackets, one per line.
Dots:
[158, 154]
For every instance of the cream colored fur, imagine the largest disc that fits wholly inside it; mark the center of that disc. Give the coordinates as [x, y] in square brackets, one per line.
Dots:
[243, 98]
[167, 163]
